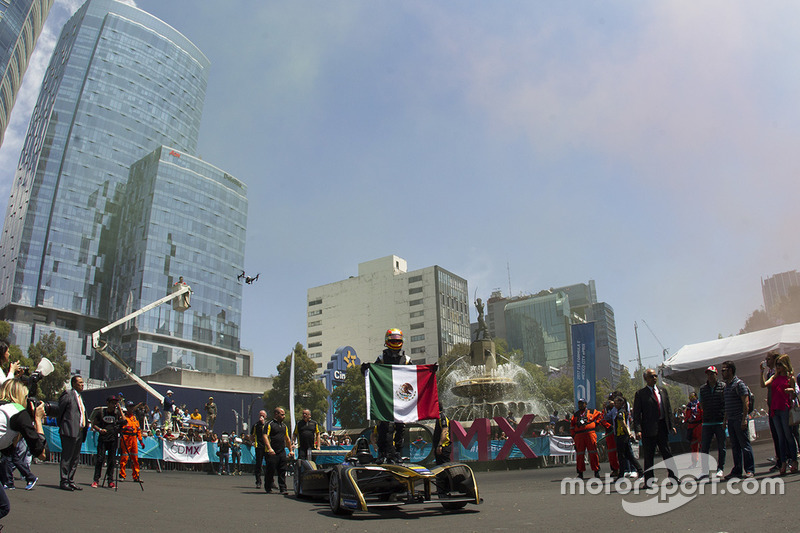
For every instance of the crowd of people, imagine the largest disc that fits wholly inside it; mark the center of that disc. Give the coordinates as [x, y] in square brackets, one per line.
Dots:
[721, 409]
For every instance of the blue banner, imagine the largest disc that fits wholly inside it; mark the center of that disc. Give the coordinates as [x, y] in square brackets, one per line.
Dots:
[583, 359]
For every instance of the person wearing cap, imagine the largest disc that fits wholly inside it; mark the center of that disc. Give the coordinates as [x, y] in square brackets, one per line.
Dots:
[211, 413]
[169, 409]
[582, 427]
[131, 437]
[106, 422]
[712, 402]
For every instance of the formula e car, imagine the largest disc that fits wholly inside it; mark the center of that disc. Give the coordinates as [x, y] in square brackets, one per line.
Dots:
[361, 484]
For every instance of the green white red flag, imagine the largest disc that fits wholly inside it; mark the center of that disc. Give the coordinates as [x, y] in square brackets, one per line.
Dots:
[402, 393]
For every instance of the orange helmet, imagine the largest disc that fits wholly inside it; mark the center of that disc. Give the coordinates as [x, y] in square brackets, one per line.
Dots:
[394, 339]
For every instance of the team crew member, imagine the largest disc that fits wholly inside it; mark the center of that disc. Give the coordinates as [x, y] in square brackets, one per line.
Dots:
[609, 415]
[307, 434]
[694, 426]
[389, 446]
[16, 421]
[582, 427]
[131, 436]
[260, 443]
[106, 421]
[441, 439]
[277, 440]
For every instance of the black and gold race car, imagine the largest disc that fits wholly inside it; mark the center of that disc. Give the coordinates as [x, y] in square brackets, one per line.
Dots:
[362, 484]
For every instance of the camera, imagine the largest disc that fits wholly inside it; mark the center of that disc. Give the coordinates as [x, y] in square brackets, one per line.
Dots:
[31, 380]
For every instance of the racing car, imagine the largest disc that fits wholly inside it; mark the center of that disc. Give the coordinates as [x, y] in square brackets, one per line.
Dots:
[363, 484]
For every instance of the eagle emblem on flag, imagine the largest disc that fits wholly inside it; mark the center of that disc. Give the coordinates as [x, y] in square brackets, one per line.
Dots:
[406, 392]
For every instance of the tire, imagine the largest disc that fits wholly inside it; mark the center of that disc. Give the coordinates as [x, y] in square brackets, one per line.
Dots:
[296, 481]
[335, 494]
[454, 506]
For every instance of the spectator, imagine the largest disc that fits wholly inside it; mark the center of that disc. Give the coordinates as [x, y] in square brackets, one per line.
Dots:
[782, 390]
[196, 415]
[737, 402]
[712, 403]
[224, 448]
[211, 413]
[169, 411]
[156, 417]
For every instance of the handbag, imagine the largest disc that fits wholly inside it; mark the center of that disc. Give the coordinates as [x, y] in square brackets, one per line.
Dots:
[794, 415]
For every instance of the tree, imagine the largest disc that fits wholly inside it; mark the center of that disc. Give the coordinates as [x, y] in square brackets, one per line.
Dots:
[757, 321]
[53, 348]
[350, 400]
[310, 393]
[446, 362]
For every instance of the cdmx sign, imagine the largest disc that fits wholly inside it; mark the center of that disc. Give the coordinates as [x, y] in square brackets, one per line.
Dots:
[481, 430]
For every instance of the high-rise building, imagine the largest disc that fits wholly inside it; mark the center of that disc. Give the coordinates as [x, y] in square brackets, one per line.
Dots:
[776, 288]
[430, 305]
[175, 207]
[539, 325]
[120, 85]
[21, 22]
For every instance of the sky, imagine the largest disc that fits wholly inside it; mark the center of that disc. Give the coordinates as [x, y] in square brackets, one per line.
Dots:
[522, 145]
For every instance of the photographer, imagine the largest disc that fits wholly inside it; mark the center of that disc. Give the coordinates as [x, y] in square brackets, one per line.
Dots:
[107, 422]
[13, 369]
[224, 446]
[16, 420]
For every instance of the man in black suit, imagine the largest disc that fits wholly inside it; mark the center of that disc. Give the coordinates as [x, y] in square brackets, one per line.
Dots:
[652, 420]
[72, 427]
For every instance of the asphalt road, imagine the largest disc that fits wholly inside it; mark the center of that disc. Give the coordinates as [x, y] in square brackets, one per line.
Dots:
[522, 500]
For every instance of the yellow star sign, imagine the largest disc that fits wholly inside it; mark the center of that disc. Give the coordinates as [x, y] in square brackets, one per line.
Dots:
[350, 359]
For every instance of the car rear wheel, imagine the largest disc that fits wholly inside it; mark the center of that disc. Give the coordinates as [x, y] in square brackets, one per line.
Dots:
[335, 494]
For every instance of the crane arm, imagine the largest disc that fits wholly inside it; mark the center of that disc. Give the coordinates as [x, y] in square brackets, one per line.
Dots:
[103, 349]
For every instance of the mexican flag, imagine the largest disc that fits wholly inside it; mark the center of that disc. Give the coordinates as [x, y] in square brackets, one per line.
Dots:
[402, 393]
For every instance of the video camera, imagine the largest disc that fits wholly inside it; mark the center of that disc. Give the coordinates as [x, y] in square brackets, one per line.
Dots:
[31, 380]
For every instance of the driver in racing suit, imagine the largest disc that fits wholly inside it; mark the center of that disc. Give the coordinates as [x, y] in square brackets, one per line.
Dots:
[389, 446]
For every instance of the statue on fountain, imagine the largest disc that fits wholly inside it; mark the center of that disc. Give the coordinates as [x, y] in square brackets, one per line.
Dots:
[482, 332]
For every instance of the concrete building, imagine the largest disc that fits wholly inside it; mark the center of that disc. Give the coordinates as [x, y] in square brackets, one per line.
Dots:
[21, 23]
[121, 85]
[776, 287]
[430, 305]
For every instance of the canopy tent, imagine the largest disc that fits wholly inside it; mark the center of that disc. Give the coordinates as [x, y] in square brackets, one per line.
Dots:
[747, 351]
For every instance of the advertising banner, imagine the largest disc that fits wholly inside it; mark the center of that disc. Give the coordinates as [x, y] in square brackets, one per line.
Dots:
[583, 358]
[186, 452]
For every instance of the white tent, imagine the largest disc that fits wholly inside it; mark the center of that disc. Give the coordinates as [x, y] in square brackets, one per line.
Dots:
[747, 351]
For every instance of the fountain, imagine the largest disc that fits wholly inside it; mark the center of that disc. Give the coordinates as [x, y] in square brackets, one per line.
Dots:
[476, 386]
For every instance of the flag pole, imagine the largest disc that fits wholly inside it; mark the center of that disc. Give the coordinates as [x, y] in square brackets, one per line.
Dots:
[291, 392]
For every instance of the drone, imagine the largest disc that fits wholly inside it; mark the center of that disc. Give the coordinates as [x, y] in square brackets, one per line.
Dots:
[248, 279]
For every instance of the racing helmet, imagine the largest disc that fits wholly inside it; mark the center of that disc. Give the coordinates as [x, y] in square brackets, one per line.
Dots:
[394, 339]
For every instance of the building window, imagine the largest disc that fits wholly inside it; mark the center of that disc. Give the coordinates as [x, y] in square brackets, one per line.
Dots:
[415, 338]
[315, 313]
[315, 323]
[316, 355]
[417, 313]
[418, 325]
[421, 349]
[314, 344]
[315, 302]
[415, 290]
[315, 334]
[415, 302]
[414, 279]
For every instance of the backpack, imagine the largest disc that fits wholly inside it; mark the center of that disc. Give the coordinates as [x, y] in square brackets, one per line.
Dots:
[752, 401]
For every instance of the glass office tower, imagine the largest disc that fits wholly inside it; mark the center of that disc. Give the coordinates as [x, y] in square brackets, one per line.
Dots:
[21, 22]
[539, 326]
[120, 84]
[182, 218]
